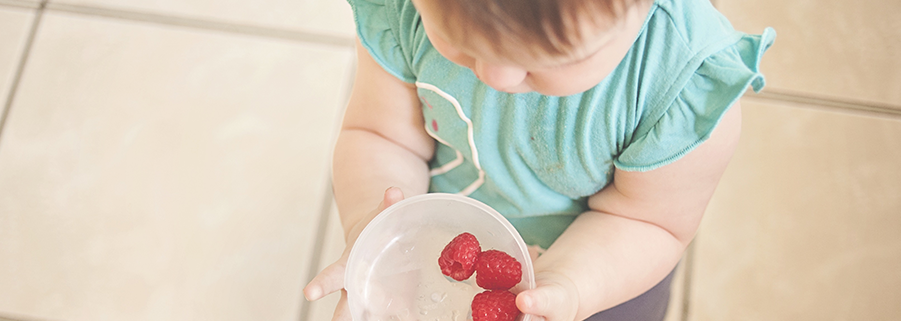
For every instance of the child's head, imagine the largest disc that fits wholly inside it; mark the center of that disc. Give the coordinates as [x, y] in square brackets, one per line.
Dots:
[555, 47]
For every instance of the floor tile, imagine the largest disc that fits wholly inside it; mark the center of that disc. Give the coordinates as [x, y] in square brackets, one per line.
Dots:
[28, 4]
[14, 318]
[331, 17]
[14, 27]
[158, 173]
[804, 225]
[842, 49]
[333, 247]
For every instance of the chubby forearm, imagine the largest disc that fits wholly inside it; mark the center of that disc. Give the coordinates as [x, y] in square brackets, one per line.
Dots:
[364, 165]
[637, 229]
[382, 143]
[369, 173]
[610, 259]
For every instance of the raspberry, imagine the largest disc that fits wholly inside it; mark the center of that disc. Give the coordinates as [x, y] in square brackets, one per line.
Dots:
[494, 305]
[458, 259]
[496, 270]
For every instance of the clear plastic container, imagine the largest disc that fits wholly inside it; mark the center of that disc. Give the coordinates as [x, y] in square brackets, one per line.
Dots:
[393, 275]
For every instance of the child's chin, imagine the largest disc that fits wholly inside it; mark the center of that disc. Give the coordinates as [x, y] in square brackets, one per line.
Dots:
[518, 90]
[560, 92]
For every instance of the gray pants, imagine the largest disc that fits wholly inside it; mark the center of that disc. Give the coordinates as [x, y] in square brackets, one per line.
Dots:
[649, 306]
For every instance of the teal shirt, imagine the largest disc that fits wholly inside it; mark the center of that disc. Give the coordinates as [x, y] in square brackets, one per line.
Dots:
[536, 158]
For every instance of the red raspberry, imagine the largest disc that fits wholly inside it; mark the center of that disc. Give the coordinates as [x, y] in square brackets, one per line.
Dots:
[494, 305]
[496, 270]
[458, 259]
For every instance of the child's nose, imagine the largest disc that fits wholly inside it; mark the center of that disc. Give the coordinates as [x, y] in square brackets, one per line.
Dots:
[498, 77]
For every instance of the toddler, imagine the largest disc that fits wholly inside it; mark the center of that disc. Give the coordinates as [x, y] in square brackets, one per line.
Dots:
[599, 128]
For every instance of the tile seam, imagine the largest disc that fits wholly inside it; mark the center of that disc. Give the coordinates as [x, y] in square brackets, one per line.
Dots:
[325, 215]
[20, 68]
[20, 4]
[307, 37]
[686, 281]
[195, 23]
[351, 73]
[828, 103]
[318, 244]
[6, 316]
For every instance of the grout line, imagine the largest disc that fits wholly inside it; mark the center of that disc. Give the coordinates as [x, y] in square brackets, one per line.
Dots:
[299, 36]
[773, 95]
[686, 280]
[829, 103]
[20, 69]
[319, 242]
[20, 4]
[4, 316]
[329, 198]
[351, 76]
[325, 214]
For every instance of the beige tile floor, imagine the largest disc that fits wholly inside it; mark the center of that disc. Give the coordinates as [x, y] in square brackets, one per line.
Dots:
[155, 171]
[332, 248]
[833, 49]
[321, 17]
[167, 160]
[15, 24]
[805, 223]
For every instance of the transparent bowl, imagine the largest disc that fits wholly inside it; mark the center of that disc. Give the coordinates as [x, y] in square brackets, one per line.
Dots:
[392, 272]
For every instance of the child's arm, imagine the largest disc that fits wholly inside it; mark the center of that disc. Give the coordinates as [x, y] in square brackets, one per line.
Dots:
[634, 235]
[382, 143]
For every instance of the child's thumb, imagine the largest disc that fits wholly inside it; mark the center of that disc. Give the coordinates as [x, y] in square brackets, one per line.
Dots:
[331, 279]
[392, 195]
[550, 302]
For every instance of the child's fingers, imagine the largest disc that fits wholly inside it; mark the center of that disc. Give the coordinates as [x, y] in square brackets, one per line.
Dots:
[539, 301]
[331, 279]
[392, 195]
[549, 301]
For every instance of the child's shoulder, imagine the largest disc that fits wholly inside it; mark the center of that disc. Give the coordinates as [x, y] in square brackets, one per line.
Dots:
[695, 66]
[389, 31]
[693, 22]
[383, 8]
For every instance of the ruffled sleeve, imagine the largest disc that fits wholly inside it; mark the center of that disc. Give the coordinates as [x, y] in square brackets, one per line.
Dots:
[691, 114]
[383, 27]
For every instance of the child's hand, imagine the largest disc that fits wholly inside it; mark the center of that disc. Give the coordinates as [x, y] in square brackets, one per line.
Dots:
[331, 278]
[554, 298]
